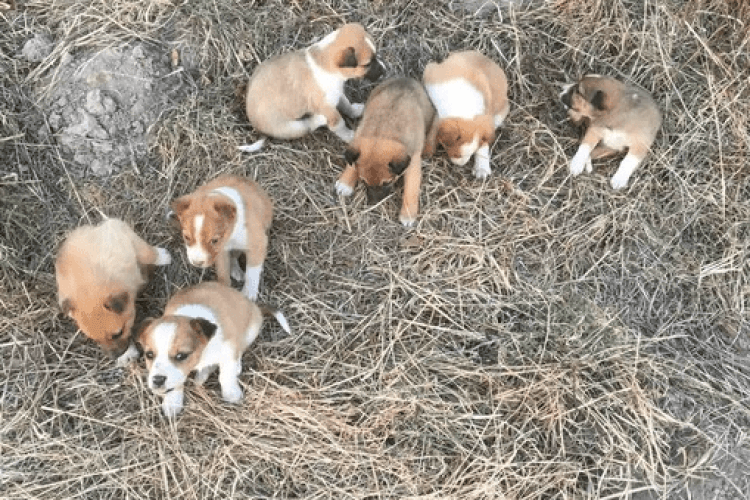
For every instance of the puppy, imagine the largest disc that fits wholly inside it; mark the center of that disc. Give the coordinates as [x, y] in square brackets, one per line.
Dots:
[229, 214]
[398, 128]
[470, 93]
[100, 270]
[293, 94]
[616, 117]
[204, 327]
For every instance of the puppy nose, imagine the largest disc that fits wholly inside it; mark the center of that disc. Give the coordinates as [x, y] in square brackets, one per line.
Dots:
[159, 380]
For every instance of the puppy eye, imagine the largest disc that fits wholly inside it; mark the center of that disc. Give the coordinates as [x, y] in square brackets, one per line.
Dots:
[215, 241]
[149, 354]
[116, 335]
[181, 356]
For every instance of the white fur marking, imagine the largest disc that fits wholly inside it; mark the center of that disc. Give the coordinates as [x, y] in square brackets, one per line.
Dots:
[626, 169]
[327, 40]
[578, 163]
[456, 98]
[197, 255]
[163, 336]
[343, 190]
[238, 239]
[615, 139]
[252, 281]
[252, 148]
[332, 84]
[467, 150]
[482, 162]
[163, 258]
[128, 356]
[171, 406]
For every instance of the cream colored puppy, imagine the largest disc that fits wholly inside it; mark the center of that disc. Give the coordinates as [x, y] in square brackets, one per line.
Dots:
[204, 327]
[616, 117]
[100, 270]
[470, 93]
[293, 94]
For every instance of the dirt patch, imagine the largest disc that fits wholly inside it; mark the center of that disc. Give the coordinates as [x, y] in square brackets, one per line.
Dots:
[103, 104]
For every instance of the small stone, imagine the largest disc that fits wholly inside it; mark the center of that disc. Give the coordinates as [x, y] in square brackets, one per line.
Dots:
[37, 48]
[94, 102]
[55, 121]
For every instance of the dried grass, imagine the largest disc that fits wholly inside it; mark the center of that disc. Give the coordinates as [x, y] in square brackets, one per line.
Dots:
[534, 337]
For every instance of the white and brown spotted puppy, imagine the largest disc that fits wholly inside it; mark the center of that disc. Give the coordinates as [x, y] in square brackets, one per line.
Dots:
[293, 94]
[470, 93]
[616, 117]
[228, 215]
[100, 270]
[204, 327]
[398, 128]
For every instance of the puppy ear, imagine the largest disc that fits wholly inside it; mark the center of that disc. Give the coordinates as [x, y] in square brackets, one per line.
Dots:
[598, 100]
[447, 133]
[348, 59]
[141, 329]
[350, 156]
[203, 327]
[117, 303]
[225, 209]
[66, 306]
[180, 205]
[486, 129]
[397, 167]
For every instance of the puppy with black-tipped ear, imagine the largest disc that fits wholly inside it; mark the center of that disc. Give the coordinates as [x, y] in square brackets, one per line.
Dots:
[293, 94]
[398, 128]
[616, 116]
[203, 328]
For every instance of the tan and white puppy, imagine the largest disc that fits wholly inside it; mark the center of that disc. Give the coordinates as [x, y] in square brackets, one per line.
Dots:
[616, 116]
[470, 93]
[230, 214]
[100, 270]
[398, 128]
[293, 94]
[204, 327]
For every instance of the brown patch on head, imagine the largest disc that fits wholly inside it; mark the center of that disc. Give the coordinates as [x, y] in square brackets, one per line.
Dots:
[590, 98]
[453, 133]
[217, 217]
[105, 318]
[191, 335]
[378, 161]
[351, 53]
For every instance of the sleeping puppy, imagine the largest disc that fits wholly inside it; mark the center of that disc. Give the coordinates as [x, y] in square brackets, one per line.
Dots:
[398, 128]
[100, 270]
[230, 214]
[204, 327]
[470, 93]
[616, 116]
[293, 94]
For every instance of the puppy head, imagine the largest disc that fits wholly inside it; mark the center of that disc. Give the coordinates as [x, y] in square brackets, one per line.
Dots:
[351, 52]
[172, 346]
[378, 165]
[461, 138]
[207, 222]
[107, 319]
[587, 98]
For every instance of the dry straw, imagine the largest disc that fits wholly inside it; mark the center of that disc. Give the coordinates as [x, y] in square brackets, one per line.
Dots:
[535, 336]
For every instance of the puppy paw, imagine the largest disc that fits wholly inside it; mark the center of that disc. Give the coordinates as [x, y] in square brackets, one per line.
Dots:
[577, 165]
[357, 110]
[408, 220]
[128, 357]
[589, 168]
[619, 181]
[482, 170]
[343, 190]
[172, 404]
[162, 258]
[203, 374]
[232, 393]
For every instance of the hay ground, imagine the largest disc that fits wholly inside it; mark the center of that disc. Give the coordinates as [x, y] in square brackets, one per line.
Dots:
[535, 336]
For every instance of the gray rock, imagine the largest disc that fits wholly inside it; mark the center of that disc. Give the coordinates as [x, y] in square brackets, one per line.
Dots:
[37, 48]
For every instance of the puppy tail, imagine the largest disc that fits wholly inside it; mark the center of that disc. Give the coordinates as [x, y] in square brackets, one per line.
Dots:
[252, 148]
[270, 311]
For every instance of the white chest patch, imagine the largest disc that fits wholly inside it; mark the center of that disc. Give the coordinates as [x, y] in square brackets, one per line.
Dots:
[456, 98]
[615, 140]
[238, 239]
[196, 253]
[331, 84]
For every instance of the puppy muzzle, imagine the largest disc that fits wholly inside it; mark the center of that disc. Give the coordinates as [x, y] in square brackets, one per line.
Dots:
[375, 194]
[376, 70]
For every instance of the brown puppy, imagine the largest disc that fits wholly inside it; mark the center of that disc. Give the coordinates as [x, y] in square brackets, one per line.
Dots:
[616, 117]
[100, 270]
[292, 94]
[398, 128]
[204, 327]
[228, 214]
[470, 93]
